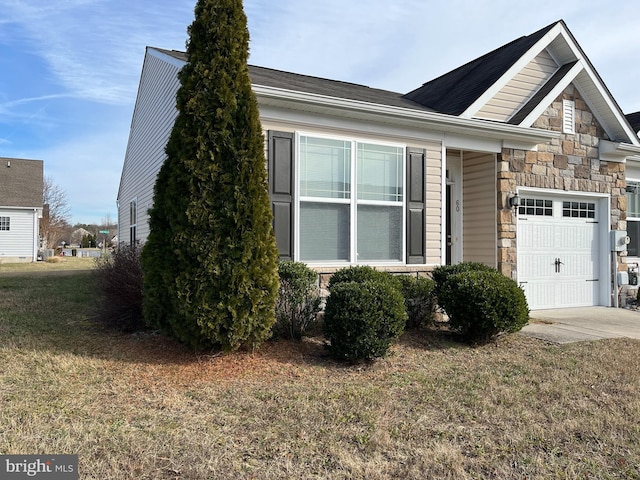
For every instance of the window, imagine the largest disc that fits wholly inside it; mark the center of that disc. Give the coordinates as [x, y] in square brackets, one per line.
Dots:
[579, 209]
[538, 207]
[351, 201]
[5, 224]
[133, 222]
[633, 218]
[568, 116]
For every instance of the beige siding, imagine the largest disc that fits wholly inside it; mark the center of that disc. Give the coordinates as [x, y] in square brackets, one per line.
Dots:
[153, 118]
[520, 89]
[151, 126]
[434, 203]
[479, 208]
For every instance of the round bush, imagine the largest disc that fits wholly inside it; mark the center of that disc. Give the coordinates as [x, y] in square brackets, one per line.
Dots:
[441, 273]
[418, 300]
[363, 273]
[483, 304]
[361, 320]
[298, 301]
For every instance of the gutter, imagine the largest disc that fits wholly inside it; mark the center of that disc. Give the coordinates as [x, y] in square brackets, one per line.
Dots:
[618, 151]
[421, 118]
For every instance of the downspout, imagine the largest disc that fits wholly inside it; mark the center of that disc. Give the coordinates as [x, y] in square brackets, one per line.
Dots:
[35, 236]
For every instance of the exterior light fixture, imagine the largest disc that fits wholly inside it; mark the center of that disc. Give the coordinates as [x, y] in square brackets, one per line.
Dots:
[514, 201]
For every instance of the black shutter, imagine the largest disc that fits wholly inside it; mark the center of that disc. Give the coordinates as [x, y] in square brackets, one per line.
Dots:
[281, 189]
[416, 212]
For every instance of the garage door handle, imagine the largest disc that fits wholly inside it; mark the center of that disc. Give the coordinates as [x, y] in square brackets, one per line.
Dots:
[557, 264]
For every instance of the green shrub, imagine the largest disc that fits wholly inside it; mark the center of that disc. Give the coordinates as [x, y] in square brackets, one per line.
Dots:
[298, 301]
[442, 272]
[361, 320]
[483, 304]
[363, 273]
[210, 260]
[418, 300]
[119, 282]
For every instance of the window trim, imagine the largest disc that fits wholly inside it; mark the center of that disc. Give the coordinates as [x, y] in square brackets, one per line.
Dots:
[634, 219]
[133, 225]
[353, 201]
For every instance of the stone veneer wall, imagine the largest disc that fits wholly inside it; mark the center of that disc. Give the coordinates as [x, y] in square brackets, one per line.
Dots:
[570, 163]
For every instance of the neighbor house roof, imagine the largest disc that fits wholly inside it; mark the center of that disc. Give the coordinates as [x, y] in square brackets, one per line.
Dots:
[269, 77]
[21, 183]
[454, 92]
[634, 120]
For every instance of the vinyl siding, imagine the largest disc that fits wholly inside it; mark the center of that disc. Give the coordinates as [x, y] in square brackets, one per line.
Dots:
[520, 89]
[434, 202]
[153, 119]
[479, 214]
[18, 243]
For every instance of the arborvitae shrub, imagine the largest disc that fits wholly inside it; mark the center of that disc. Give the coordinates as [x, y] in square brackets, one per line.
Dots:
[483, 304]
[210, 260]
[298, 300]
[442, 272]
[119, 283]
[418, 299]
[362, 319]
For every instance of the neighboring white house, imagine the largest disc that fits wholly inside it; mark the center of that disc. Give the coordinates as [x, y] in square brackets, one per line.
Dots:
[517, 159]
[21, 183]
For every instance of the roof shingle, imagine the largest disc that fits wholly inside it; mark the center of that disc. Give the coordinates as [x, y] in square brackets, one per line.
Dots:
[21, 182]
[454, 92]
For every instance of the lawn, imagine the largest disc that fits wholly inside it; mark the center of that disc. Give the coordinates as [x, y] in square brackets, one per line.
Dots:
[141, 406]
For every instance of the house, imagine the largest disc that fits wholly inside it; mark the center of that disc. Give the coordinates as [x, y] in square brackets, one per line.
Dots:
[77, 235]
[516, 159]
[633, 200]
[634, 121]
[21, 184]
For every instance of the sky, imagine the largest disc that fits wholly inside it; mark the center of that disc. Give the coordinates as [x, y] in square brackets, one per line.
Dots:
[69, 69]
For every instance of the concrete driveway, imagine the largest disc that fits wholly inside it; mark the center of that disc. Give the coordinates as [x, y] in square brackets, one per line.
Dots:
[566, 325]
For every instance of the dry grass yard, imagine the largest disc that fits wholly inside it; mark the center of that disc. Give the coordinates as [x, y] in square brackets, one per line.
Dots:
[142, 407]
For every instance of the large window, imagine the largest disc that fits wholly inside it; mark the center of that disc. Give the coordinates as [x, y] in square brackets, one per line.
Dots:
[5, 224]
[633, 218]
[351, 201]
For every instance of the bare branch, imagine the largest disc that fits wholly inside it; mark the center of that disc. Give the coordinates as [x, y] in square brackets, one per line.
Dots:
[54, 224]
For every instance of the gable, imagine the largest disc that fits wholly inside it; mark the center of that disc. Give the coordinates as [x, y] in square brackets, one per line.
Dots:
[516, 83]
[521, 88]
[21, 183]
[455, 91]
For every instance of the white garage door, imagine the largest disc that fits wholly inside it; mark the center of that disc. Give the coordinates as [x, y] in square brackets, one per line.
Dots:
[558, 251]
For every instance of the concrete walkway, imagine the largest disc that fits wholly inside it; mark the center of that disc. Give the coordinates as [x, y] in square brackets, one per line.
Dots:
[566, 325]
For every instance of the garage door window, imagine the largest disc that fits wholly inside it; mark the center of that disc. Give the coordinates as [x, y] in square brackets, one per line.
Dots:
[579, 209]
[537, 207]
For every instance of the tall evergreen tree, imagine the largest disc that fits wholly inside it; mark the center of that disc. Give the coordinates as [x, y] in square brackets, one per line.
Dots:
[210, 261]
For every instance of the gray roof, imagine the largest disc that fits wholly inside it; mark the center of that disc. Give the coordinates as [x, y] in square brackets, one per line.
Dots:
[454, 92]
[269, 77]
[21, 182]
[634, 120]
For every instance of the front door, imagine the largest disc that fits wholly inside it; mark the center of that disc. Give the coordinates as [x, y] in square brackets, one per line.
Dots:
[453, 212]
